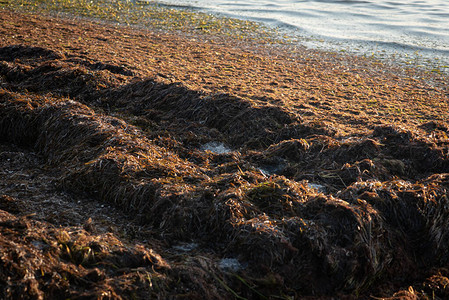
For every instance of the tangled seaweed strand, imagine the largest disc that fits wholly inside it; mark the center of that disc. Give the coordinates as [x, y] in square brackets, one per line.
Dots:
[387, 220]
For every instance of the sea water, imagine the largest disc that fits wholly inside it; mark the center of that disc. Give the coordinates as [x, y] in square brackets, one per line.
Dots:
[412, 32]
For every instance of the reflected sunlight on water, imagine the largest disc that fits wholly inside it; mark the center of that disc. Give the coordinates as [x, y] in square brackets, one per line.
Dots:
[413, 31]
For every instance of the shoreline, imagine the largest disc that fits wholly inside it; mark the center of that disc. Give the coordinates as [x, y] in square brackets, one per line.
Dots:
[285, 58]
[200, 25]
[332, 180]
[388, 51]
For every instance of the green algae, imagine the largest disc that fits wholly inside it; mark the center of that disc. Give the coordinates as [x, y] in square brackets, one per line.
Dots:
[152, 15]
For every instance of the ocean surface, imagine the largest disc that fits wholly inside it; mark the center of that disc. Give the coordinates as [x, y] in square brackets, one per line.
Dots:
[411, 32]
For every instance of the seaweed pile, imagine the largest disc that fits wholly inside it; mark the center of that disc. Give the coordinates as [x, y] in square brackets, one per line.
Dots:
[291, 208]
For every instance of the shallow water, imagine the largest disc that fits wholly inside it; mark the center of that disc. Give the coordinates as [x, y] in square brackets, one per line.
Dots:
[413, 32]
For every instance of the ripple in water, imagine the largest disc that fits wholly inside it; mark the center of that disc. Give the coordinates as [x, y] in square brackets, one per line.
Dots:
[411, 31]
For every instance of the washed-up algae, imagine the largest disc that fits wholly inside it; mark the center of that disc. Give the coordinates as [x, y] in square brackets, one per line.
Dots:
[256, 226]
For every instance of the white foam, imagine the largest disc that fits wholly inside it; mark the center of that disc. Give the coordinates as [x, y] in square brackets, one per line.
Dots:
[216, 147]
[230, 265]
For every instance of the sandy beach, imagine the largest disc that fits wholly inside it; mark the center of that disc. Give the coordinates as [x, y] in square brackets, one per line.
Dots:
[140, 164]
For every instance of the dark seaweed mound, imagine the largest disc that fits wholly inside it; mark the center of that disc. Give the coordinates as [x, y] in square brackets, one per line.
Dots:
[294, 210]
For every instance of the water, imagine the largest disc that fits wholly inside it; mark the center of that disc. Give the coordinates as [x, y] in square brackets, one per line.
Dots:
[230, 265]
[216, 147]
[185, 247]
[269, 170]
[412, 32]
[319, 187]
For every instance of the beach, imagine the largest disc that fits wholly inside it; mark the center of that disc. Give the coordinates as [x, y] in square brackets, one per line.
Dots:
[139, 163]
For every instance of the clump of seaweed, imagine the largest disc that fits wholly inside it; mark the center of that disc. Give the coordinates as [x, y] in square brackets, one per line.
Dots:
[41, 70]
[42, 261]
[310, 248]
[382, 219]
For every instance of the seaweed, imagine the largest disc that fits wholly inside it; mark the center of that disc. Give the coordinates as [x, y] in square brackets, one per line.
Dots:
[105, 174]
